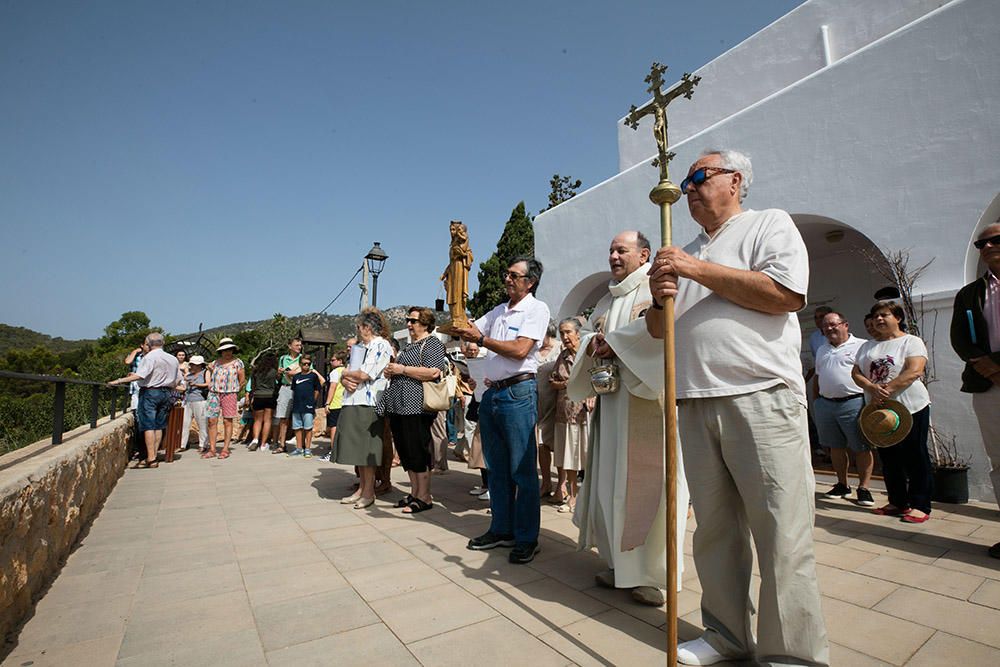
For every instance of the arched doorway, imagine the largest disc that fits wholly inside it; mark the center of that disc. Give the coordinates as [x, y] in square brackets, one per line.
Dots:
[845, 271]
[584, 295]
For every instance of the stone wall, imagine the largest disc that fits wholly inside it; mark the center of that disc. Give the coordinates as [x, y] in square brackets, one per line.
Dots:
[48, 494]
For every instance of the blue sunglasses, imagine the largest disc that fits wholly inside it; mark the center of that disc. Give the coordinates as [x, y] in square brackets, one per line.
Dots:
[702, 175]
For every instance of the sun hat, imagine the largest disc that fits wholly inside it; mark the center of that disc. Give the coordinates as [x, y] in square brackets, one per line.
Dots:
[197, 360]
[226, 344]
[887, 424]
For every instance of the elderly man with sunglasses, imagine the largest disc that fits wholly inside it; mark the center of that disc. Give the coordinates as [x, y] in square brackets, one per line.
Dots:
[975, 336]
[742, 418]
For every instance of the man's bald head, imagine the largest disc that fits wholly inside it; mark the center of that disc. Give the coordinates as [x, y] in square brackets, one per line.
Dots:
[629, 250]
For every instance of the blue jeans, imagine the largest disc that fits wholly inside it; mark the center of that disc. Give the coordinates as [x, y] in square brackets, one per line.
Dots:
[507, 427]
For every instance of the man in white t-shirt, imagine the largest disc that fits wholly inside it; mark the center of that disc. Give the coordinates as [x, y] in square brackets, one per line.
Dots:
[837, 406]
[512, 334]
[742, 418]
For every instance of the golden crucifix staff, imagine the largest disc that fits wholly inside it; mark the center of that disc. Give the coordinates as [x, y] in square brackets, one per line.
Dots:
[664, 195]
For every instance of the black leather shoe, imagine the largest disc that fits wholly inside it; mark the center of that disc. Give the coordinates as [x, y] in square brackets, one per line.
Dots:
[524, 552]
[995, 550]
[489, 540]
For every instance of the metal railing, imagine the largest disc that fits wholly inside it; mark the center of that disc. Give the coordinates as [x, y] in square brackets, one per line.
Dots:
[59, 401]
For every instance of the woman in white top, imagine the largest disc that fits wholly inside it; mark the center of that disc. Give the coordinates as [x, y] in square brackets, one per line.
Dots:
[358, 440]
[891, 367]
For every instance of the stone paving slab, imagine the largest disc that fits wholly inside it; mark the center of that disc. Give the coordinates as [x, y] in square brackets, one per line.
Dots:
[253, 561]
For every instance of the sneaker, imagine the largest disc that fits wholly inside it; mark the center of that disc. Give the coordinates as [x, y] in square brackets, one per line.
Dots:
[838, 491]
[523, 553]
[485, 495]
[994, 551]
[295, 452]
[864, 497]
[265, 447]
[476, 491]
[698, 652]
[307, 453]
[489, 540]
[325, 458]
[277, 449]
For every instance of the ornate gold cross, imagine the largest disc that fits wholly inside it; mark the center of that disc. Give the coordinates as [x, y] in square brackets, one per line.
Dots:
[658, 107]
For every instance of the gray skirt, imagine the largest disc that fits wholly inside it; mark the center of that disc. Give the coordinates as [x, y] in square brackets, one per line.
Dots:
[358, 441]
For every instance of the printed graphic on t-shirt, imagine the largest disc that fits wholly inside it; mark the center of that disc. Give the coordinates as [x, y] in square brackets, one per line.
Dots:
[879, 369]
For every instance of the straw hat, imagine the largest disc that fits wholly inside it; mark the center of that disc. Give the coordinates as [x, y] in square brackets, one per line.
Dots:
[887, 424]
[197, 360]
[226, 344]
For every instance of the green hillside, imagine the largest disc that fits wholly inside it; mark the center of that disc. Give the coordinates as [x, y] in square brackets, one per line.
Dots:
[21, 338]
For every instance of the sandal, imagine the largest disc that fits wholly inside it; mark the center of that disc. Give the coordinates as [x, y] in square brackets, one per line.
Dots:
[208, 455]
[404, 501]
[417, 506]
[223, 454]
[350, 500]
[146, 464]
[889, 510]
[364, 502]
[383, 488]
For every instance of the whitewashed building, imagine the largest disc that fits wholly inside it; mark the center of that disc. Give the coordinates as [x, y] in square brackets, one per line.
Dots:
[875, 124]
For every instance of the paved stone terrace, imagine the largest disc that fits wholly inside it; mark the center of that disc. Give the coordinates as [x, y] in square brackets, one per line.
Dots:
[251, 561]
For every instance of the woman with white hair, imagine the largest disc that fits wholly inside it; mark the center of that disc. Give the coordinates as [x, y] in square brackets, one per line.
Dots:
[571, 417]
[358, 440]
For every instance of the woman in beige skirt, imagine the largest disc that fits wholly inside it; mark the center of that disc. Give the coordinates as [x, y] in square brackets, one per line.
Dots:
[571, 417]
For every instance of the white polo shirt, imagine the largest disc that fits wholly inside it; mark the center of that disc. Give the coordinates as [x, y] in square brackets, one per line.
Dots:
[158, 370]
[529, 318]
[724, 349]
[834, 365]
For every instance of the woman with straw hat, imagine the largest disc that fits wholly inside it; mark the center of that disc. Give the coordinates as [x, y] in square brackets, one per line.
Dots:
[228, 376]
[896, 417]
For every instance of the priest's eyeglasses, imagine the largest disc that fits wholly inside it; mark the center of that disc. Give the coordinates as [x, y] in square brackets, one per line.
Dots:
[702, 175]
[992, 240]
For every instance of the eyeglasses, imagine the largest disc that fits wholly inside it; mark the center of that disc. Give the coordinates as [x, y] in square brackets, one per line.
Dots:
[702, 175]
[992, 240]
[305, 363]
[831, 325]
[412, 320]
[514, 276]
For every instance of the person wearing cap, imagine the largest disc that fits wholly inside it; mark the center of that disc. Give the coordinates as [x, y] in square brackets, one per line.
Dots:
[889, 372]
[195, 383]
[157, 375]
[228, 376]
[512, 334]
[837, 407]
[975, 337]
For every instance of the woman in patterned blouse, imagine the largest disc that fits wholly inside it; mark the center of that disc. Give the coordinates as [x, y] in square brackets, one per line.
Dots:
[422, 360]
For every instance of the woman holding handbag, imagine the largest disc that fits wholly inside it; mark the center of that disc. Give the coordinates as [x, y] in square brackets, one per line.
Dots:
[409, 410]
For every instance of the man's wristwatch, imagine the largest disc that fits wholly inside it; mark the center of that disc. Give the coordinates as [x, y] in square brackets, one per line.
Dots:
[480, 341]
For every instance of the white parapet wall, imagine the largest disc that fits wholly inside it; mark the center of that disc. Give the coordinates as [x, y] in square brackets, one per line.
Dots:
[48, 495]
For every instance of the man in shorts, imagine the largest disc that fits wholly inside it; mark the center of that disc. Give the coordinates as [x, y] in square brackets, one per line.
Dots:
[288, 367]
[157, 375]
[837, 406]
[307, 386]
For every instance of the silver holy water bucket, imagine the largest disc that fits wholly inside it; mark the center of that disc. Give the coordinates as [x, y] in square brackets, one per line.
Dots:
[604, 378]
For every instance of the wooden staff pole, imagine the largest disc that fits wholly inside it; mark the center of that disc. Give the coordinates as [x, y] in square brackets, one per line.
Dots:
[664, 195]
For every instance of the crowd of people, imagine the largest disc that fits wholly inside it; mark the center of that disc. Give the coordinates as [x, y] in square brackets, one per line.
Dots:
[743, 412]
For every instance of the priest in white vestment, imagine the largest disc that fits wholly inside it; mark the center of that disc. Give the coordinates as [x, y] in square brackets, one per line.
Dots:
[622, 506]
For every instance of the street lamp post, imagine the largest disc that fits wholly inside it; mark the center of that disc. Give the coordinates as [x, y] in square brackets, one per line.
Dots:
[376, 260]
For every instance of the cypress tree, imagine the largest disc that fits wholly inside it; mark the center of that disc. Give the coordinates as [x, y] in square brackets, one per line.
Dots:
[518, 238]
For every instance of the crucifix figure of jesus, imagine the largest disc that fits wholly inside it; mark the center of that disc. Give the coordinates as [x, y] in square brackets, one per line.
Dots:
[658, 107]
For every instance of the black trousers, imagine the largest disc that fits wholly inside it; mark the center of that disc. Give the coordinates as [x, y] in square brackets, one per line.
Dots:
[907, 467]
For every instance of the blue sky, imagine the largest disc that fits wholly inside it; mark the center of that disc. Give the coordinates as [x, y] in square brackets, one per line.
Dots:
[216, 162]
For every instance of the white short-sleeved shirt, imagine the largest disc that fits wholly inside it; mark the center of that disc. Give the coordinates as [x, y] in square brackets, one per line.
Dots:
[724, 349]
[882, 360]
[834, 366]
[378, 354]
[158, 369]
[529, 318]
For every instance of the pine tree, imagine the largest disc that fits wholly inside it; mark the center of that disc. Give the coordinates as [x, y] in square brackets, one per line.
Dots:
[518, 238]
[563, 189]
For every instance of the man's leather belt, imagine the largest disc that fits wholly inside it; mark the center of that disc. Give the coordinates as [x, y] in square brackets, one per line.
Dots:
[843, 399]
[512, 380]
